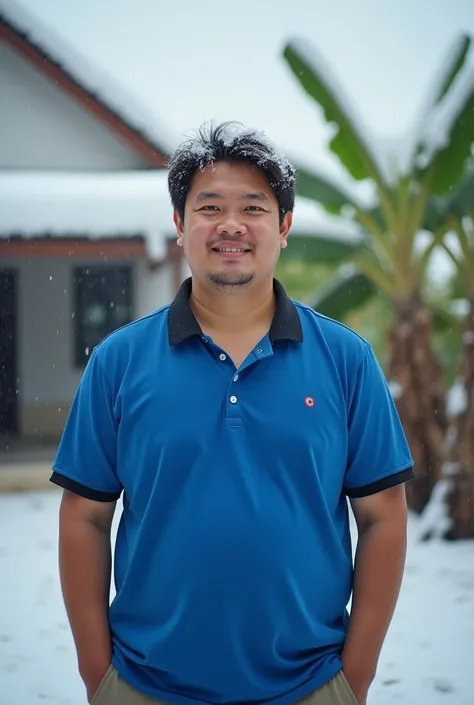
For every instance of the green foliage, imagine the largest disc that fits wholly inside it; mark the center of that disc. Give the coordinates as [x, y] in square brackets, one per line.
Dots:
[318, 247]
[300, 277]
[346, 291]
[373, 321]
[373, 318]
[359, 282]
[319, 188]
[386, 255]
[450, 163]
[347, 142]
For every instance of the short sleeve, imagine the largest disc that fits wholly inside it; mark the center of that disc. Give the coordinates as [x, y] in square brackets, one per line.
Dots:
[378, 452]
[86, 459]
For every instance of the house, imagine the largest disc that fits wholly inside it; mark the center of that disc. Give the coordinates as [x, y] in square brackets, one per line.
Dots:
[86, 237]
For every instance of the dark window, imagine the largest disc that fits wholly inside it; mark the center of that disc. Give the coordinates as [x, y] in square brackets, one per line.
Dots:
[8, 352]
[102, 303]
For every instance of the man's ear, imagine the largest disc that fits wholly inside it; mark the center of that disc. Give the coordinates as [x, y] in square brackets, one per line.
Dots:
[285, 229]
[179, 227]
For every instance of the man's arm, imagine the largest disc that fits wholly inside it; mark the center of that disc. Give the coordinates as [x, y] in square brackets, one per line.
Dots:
[380, 558]
[85, 572]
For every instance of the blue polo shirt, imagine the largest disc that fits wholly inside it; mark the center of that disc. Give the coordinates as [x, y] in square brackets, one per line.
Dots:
[233, 563]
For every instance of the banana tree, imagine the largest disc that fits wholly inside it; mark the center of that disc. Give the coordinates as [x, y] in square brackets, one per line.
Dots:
[390, 259]
[455, 215]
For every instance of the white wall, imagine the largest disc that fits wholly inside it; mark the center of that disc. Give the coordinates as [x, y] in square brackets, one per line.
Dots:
[48, 376]
[153, 288]
[43, 128]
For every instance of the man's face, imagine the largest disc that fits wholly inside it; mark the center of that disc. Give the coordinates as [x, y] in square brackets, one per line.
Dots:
[231, 232]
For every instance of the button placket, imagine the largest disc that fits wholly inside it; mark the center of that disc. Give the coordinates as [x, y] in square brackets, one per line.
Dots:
[233, 409]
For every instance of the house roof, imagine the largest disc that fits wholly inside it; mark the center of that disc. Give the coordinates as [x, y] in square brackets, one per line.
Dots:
[96, 205]
[97, 93]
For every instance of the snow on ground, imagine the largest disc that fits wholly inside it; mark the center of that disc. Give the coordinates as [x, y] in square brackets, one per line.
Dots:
[427, 656]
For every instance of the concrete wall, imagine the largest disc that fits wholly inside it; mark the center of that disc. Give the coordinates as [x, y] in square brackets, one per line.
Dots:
[47, 374]
[43, 128]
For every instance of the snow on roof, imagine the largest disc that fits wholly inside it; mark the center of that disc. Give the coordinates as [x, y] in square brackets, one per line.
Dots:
[96, 204]
[95, 82]
[118, 205]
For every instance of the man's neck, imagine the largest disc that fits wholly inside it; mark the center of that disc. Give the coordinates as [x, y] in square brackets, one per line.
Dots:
[234, 313]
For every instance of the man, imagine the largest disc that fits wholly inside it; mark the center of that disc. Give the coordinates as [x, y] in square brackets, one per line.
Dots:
[234, 423]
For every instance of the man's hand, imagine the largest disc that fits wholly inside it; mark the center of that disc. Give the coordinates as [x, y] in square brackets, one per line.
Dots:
[359, 682]
[380, 556]
[92, 675]
[85, 571]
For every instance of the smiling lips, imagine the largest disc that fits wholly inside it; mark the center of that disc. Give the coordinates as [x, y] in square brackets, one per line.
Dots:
[231, 250]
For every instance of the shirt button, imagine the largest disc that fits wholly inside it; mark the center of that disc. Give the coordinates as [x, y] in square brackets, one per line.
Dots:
[233, 400]
[222, 357]
[260, 351]
[236, 377]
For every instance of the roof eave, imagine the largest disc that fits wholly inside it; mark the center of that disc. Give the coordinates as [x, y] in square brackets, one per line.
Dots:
[152, 154]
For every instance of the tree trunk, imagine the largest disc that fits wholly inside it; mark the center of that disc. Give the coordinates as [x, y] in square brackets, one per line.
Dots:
[417, 384]
[460, 468]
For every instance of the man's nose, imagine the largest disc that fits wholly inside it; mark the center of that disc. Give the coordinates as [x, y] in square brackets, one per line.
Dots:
[231, 224]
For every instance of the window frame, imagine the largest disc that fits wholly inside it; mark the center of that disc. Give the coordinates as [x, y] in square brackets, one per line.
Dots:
[82, 345]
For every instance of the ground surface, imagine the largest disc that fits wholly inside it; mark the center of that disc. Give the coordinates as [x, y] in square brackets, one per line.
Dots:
[428, 656]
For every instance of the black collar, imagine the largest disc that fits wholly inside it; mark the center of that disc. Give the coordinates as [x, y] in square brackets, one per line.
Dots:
[182, 324]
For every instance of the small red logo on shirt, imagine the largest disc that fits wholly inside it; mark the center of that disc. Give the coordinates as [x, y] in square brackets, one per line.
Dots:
[309, 401]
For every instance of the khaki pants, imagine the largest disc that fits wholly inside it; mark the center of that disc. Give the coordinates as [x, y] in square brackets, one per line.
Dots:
[114, 691]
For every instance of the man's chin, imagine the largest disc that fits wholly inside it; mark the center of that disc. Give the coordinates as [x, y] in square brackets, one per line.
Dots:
[230, 280]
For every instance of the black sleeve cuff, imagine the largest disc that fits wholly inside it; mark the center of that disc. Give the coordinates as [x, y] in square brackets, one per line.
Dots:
[82, 490]
[384, 484]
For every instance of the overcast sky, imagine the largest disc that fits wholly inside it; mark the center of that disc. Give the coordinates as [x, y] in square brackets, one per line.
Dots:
[195, 60]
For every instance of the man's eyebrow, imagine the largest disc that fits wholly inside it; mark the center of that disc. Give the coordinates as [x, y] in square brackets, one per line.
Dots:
[206, 195]
[253, 197]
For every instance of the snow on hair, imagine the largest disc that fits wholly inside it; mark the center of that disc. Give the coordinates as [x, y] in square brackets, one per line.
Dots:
[230, 142]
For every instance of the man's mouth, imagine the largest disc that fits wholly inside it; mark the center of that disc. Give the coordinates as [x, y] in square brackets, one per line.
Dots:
[231, 249]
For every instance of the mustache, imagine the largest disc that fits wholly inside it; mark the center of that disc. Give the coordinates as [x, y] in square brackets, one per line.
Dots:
[231, 238]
